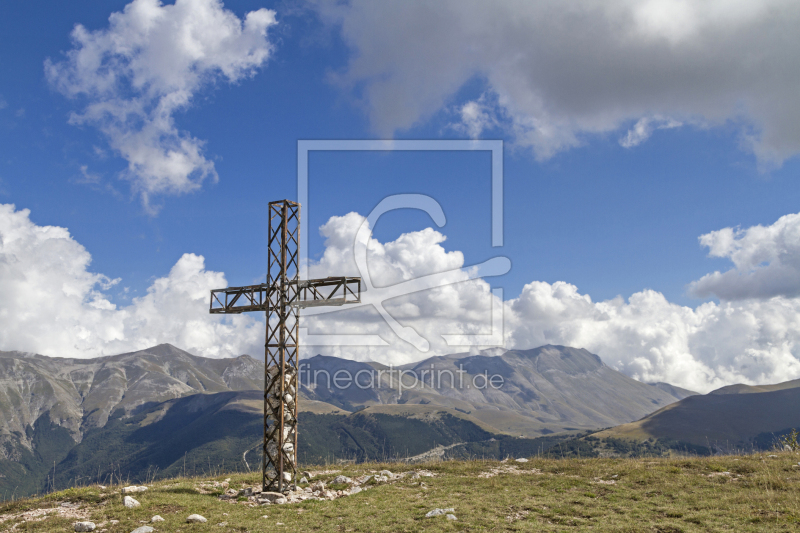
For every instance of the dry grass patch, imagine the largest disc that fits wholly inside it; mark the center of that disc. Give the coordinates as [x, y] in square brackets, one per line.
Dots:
[744, 493]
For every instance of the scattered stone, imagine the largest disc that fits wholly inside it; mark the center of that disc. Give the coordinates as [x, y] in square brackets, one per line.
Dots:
[143, 529]
[522, 460]
[772, 456]
[439, 512]
[272, 496]
[308, 475]
[130, 503]
[102, 487]
[451, 517]
[156, 518]
[345, 479]
[196, 519]
[615, 476]
[222, 524]
[133, 488]
[303, 479]
[421, 473]
[386, 473]
[84, 526]
[355, 490]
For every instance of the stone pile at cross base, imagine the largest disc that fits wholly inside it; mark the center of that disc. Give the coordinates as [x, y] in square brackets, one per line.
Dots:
[341, 486]
[290, 426]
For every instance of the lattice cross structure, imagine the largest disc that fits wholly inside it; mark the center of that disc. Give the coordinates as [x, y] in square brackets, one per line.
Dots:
[281, 297]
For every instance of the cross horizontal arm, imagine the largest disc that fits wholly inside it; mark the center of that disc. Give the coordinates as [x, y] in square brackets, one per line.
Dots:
[309, 293]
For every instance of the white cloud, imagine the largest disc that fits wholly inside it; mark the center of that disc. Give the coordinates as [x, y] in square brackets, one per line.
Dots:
[643, 129]
[53, 304]
[766, 261]
[562, 71]
[133, 77]
[476, 117]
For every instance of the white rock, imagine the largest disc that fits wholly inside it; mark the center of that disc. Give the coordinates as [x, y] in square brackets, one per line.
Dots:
[222, 524]
[156, 518]
[84, 526]
[143, 529]
[133, 488]
[439, 512]
[451, 517]
[342, 479]
[196, 519]
[130, 503]
[272, 496]
[522, 460]
[386, 473]
[303, 480]
[355, 490]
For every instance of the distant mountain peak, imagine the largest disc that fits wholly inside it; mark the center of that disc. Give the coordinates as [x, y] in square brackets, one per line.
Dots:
[551, 357]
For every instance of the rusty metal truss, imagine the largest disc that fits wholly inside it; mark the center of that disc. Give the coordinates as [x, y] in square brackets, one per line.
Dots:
[281, 297]
[316, 292]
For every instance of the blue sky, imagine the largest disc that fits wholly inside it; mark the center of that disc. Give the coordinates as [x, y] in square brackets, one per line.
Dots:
[715, 149]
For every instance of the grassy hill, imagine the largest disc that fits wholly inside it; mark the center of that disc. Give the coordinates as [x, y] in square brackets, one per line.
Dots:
[731, 418]
[730, 493]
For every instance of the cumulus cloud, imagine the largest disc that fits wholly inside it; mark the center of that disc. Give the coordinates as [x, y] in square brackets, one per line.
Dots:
[766, 261]
[133, 77]
[646, 337]
[54, 305]
[563, 71]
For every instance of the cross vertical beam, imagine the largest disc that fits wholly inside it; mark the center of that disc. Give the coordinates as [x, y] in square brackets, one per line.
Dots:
[279, 465]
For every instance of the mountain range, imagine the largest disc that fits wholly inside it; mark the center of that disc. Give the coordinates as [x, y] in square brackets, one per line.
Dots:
[147, 413]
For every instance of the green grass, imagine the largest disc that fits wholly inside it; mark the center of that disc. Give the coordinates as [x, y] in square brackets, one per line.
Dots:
[728, 493]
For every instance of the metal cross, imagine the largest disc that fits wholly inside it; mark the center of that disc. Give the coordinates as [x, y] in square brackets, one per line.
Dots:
[281, 297]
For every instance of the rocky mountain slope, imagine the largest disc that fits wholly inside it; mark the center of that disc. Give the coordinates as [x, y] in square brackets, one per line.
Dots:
[80, 394]
[550, 389]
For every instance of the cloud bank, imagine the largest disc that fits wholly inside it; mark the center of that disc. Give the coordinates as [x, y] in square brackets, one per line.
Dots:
[561, 72]
[53, 304]
[133, 77]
